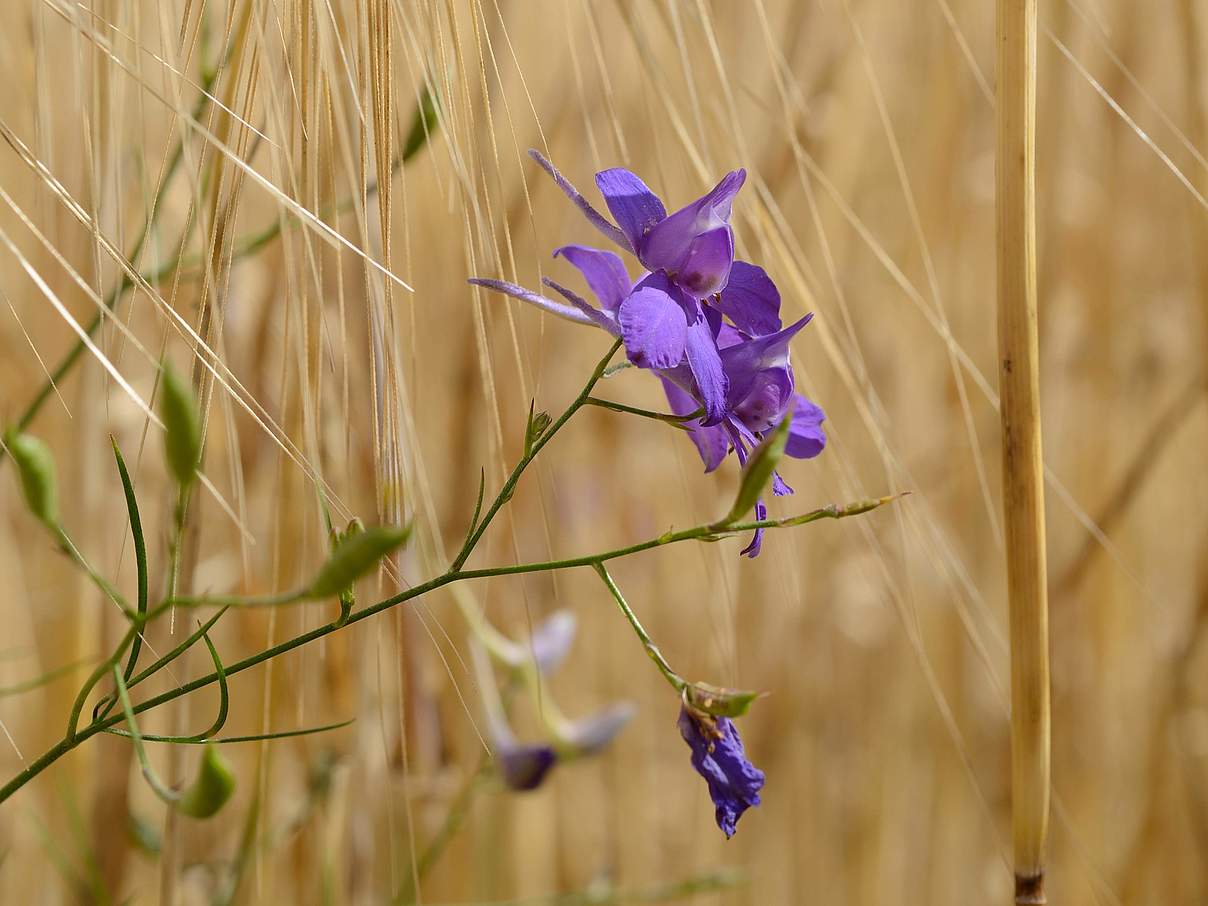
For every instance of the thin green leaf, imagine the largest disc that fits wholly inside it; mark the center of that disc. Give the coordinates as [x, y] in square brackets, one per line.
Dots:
[140, 554]
[104, 706]
[38, 681]
[157, 786]
[424, 123]
[758, 472]
[224, 700]
[228, 740]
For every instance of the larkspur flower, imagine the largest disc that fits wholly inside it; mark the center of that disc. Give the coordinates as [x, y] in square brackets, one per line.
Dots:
[708, 325]
[718, 756]
[524, 766]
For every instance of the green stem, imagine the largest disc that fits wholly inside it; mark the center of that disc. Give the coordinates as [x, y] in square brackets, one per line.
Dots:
[455, 817]
[698, 532]
[73, 720]
[652, 650]
[69, 548]
[677, 421]
[509, 486]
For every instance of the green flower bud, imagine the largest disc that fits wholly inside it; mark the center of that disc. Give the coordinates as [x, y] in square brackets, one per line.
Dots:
[214, 785]
[36, 468]
[355, 555]
[182, 427]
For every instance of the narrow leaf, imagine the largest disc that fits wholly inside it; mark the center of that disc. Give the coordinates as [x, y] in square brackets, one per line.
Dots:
[423, 124]
[140, 554]
[157, 786]
[228, 740]
[758, 472]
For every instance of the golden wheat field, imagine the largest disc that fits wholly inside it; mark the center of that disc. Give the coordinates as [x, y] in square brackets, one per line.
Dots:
[285, 198]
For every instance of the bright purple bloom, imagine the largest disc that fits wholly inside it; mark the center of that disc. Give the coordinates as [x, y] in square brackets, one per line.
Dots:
[707, 324]
[718, 756]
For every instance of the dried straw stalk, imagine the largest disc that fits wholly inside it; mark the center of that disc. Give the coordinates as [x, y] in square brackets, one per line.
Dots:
[1023, 469]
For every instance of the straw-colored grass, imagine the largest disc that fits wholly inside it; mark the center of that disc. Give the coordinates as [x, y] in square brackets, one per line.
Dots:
[349, 350]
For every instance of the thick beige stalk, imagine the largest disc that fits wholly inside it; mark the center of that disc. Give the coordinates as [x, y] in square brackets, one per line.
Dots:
[1023, 470]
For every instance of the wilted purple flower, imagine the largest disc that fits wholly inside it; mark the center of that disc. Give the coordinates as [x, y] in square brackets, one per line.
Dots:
[718, 756]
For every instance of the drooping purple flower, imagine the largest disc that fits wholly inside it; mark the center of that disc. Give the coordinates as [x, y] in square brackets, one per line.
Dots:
[524, 766]
[718, 756]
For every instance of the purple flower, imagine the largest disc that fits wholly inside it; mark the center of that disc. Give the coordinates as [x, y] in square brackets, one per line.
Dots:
[707, 324]
[524, 766]
[717, 755]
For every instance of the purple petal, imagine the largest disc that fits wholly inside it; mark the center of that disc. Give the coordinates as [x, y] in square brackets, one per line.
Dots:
[524, 767]
[604, 272]
[705, 363]
[806, 437]
[599, 318]
[742, 440]
[654, 328]
[718, 756]
[779, 487]
[767, 397]
[744, 361]
[751, 300]
[669, 243]
[752, 550]
[706, 267]
[712, 443]
[594, 217]
[519, 292]
[631, 202]
[592, 734]
[551, 640]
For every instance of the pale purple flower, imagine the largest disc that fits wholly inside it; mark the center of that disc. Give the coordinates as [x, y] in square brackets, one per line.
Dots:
[718, 756]
[524, 766]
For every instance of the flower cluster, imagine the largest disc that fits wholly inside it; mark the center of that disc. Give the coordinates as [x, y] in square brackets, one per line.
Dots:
[707, 324]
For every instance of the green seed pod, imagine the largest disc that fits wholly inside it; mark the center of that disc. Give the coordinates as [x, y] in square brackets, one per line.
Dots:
[214, 785]
[354, 556]
[182, 427]
[37, 470]
[758, 471]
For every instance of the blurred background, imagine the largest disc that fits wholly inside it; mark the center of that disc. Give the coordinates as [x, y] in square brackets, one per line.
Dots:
[867, 131]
